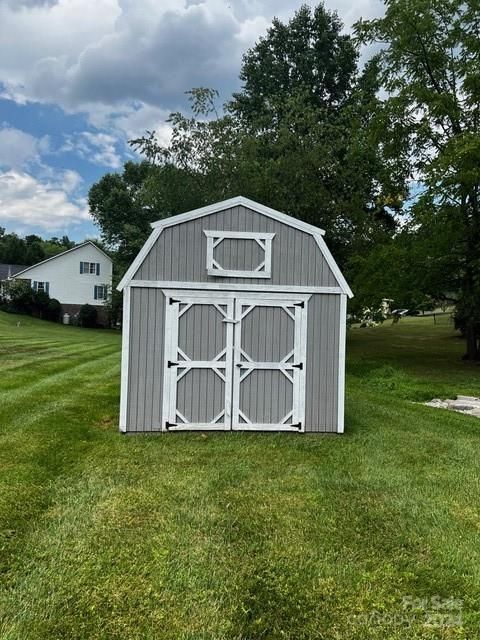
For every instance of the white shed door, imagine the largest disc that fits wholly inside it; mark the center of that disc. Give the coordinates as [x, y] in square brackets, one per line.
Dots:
[269, 371]
[234, 362]
[198, 362]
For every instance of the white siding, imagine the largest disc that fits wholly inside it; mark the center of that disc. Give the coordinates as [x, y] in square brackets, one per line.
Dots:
[67, 284]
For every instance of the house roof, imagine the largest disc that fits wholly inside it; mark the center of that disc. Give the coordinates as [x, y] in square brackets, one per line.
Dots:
[158, 227]
[78, 246]
[7, 270]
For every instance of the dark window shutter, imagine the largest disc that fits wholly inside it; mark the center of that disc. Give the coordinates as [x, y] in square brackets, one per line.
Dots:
[81, 267]
[34, 285]
[95, 292]
[98, 268]
[47, 287]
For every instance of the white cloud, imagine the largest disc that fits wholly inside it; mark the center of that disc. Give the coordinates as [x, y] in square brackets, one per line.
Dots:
[18, 148]
[110, 54]
[127, 63]
[96, 147]
[70, 181]
[25, 201]
[104, 146]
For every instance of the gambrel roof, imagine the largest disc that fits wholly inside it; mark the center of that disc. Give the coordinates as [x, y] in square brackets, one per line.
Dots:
[160, 225]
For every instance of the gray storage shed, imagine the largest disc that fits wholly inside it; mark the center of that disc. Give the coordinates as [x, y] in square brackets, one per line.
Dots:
[233, 319]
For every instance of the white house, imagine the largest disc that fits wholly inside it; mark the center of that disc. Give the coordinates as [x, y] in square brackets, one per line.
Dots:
[78, 276]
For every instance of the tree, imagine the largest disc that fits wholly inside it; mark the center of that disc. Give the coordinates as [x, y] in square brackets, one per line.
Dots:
[308, 56]
[31, 249]
[118, 207]
[430, 64]
[297, 137]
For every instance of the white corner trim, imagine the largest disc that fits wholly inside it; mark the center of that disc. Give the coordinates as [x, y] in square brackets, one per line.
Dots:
[58, 255]
[235, 202]
[132, 269]
[125, 359]
[226, 286]
[333, 265]
[341, 362]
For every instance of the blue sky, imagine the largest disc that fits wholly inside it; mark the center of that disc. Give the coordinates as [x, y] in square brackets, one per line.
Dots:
[78, 78]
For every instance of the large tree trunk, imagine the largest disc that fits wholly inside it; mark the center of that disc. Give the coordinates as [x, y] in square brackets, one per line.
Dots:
[472, 352]
[470, 211]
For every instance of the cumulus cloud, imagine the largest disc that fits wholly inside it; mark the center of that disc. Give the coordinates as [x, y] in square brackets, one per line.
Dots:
[25, 201]
[89, 54]
[96, 147]
[20, 4]
[18, 148]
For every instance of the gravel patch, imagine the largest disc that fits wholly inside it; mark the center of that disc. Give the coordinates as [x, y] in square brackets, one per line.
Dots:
[463, 404]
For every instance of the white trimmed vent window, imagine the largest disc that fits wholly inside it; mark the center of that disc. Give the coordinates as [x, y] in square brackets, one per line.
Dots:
[41, 286]
[239, 254]
[92, 268]
[100, 292]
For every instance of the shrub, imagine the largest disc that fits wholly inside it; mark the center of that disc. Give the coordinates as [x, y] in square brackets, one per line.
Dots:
[40, 301]
[17, 297]
[87, 316]
[53, 310]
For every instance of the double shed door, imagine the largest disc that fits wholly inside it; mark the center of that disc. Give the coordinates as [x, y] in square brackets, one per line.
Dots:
[234, 361]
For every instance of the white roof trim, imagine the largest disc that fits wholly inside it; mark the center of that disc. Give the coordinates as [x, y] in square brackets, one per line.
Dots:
[333, 265]
[235, 202]
[79, 246]
[158, 227]
[133, 268]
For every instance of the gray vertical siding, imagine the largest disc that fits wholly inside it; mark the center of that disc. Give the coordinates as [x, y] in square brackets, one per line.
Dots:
[145, 383]
[267, 334]
[180, 252]
[265, 395]
[322, 363]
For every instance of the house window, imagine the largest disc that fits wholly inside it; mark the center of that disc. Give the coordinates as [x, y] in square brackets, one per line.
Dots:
[100, 292]
[92, 268]
[41, 286]
[239, 254]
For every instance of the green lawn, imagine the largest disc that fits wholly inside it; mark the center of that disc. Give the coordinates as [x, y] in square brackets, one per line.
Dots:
[236, 536]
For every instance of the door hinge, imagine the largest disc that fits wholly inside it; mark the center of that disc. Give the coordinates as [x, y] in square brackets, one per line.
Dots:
[239, 365]
[299, 304]
[298, 425]
[169, 424]
[172, 364]
[298, 366]
[172, 301]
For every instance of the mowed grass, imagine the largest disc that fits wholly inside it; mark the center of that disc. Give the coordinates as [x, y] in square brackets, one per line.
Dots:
[188, 536]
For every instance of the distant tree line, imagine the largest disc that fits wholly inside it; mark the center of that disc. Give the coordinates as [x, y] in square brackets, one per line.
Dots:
[30, 249]
[385, 158]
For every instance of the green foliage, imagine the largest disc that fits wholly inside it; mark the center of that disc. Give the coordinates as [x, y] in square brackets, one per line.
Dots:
[430, 65]
[17, 296]
[300, 136]
[87, 316]
[114, 303]
[53, 310]
[118, 206]
[308, 56]
[31, 249]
